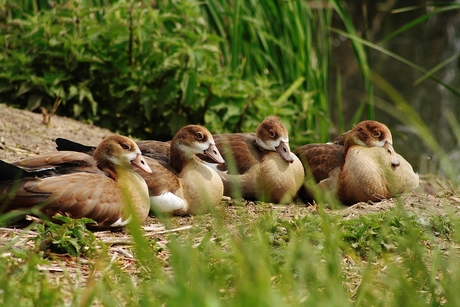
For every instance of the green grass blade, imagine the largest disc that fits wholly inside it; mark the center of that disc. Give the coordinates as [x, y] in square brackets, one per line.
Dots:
[360, 54]
[429, 73]
[236, 36]
[420, 20]
[407, 115]
[453, 122]
[399, 58]
[291, 89]
[340, 122]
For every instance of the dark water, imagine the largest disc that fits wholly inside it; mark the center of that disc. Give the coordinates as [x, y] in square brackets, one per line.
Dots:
[427, 45]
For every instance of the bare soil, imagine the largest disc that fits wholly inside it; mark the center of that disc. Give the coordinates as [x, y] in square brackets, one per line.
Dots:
[23, 133]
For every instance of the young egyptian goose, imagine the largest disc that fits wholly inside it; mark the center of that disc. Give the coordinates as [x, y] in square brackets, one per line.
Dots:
[260, 166]
[104, 188]
[185, 185]
[180, 183]
[361, 165]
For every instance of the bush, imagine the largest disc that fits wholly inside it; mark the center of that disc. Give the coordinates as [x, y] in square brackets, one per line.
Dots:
[131, 67]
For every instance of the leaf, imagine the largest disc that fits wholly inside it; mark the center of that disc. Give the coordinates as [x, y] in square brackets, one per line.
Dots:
[188, 88]
[85, 93]
[24, 88]
[148, 101]
[177, 121]
[5, 87]
[77, 109]
[73, 91]
[34, 101]
[285, 95]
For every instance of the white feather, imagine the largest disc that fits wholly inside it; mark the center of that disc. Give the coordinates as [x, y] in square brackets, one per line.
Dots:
[213, 166]
[120, 222]
[271, 144]
[166, 202]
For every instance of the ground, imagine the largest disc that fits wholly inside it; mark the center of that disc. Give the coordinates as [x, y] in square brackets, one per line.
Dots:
[23, 133]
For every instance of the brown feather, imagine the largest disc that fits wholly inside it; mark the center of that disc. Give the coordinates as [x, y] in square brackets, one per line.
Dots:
[260, 171]
[82, 189]
[239, 149]
[360, 165]
[321, 158]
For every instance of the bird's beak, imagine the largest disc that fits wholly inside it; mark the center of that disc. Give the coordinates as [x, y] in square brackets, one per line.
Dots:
[214, 154]
[285, 152]
[140, 162]
[389, 148]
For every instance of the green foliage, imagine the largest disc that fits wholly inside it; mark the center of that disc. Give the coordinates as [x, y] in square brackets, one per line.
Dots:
[71, 237]
[378, 233]
[23, 284]
[147, 69]
[442, 226]
[131, 67]
[243, 256]
[286, 42]
[122, 67]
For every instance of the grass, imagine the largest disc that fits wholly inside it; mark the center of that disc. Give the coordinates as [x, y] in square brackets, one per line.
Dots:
[292, 50]
[247, 254]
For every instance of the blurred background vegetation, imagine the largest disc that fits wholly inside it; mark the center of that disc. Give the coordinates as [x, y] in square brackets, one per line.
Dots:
[146, 68]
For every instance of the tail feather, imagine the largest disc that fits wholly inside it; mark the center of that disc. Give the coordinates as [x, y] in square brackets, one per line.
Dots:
[65, 144]
[12, 172]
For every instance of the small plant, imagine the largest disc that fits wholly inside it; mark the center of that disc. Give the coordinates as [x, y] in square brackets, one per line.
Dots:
[71, 237]
[48, 114]
[379, 233]
[23, 283]
[442, 227]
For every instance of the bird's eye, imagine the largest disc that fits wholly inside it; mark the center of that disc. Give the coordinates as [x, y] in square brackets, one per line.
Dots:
[376, 133]
[199, 136]
[272, 133]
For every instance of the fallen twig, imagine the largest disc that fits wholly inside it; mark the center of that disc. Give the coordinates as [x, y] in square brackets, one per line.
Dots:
[19, 231]
[128, 241]
[168, 230]
[18, 150]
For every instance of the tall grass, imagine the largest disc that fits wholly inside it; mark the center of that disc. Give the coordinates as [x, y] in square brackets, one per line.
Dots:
[380, 259]
[288, 42]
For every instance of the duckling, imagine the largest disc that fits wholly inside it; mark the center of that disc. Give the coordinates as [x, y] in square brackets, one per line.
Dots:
[185, 185]
[260, 166]
[104, 188]
[361, 165]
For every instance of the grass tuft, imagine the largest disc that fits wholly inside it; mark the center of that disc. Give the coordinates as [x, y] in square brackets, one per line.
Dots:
[71, 237]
